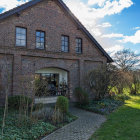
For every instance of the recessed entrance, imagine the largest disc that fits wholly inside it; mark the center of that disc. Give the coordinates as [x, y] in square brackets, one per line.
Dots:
[53, 82]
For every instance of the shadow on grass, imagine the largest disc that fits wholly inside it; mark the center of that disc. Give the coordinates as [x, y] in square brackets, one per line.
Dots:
[123, 124]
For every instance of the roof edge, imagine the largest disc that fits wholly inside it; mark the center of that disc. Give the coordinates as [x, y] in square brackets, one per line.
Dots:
[81, 26]
[87, 32]
[18, 9]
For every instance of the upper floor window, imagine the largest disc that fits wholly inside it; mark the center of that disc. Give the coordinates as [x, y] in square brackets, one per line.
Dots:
[78, 45]
[64, 43]
[40, 39]
[20, 36]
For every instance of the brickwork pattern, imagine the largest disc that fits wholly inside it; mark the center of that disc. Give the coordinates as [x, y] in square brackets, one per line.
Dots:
[48, 16]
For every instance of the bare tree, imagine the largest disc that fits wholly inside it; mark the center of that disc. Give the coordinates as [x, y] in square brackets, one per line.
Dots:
[102, 80]
[6, 83]
[135, 85]
[126, 59]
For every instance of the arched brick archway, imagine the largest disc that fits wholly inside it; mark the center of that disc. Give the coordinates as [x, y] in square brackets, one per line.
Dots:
[32, 64]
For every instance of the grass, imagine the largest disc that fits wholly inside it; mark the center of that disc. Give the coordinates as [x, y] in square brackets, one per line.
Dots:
[123, 124]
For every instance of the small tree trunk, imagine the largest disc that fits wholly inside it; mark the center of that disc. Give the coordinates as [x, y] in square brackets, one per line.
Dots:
[5, 110]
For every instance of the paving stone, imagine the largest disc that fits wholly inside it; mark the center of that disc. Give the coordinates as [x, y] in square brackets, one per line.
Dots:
[81, 129]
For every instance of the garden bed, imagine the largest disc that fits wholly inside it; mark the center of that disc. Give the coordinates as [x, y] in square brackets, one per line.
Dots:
[28, 129]
[104, 106]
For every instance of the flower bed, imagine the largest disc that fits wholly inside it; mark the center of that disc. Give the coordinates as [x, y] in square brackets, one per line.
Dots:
[28, 129]
[104, 106]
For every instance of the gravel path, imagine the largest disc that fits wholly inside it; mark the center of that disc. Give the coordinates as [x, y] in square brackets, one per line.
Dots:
[81, 129]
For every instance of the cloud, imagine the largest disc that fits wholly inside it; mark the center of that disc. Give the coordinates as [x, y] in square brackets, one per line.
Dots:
[113, 35]
[90, 16]
[113, 49]
[135, 39]
[9, 4]
[96, 31]
[105, 25]
[98, 2]
[136, 28]
[111, 7]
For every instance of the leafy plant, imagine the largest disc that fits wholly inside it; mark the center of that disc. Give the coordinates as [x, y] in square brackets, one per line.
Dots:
[62, 104]
[121, 97]
[19, 100]
[81, 96]
[41, 87]
[135, 85]
[104, 106]
[29, 131]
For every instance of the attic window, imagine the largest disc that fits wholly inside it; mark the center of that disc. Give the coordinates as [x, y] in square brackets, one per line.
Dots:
[20, 36]
[40, 40]
[78, 45]
[64, 43]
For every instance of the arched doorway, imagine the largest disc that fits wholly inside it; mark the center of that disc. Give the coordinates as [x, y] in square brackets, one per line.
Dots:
[53, 82]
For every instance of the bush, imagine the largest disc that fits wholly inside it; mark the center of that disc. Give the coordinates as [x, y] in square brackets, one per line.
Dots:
[62, 104]
[19, 100]
[81, 96]
[41, 87]
[121, 97]
[104, 106]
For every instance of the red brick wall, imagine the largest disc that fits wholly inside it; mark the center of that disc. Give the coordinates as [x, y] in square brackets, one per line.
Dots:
[6, 70]
[50, 17]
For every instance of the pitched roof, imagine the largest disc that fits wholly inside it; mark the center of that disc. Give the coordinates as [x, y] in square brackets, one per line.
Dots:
[18, 9]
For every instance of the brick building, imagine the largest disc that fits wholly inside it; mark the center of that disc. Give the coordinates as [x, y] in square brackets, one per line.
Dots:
[44, 37]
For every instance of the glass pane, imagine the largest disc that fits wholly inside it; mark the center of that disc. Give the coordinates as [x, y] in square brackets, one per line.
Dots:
[76, 41]
[63, 38]
[23, 43]
[23, 37]
[38, 34]
[42, 45]
[37, 45]
[63, 48]
[63, 43]
[42, 34]
[76, 49]
[17, 42]
[77, 45]
[66, 44]
[18, 36]
[17, 30]
[23, 31]
[66, 39]
[42, 40]
[37, 39]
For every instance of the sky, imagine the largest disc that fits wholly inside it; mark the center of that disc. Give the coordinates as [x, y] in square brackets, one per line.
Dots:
[115, 24]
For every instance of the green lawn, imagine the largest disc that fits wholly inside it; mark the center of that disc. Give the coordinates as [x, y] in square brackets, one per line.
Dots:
[123, 124]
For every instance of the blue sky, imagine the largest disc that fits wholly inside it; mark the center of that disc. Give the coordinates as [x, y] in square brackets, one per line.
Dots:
[125, 22]
[114, 23]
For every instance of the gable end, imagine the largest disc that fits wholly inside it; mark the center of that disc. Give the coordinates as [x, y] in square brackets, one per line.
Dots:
[17, 11]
